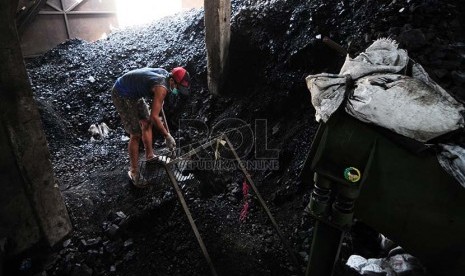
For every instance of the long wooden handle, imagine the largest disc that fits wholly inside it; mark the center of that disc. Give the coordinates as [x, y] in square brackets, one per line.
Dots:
[164, 117]
[332, 44]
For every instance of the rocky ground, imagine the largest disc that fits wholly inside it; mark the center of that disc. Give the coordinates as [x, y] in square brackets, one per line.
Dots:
[275, 44]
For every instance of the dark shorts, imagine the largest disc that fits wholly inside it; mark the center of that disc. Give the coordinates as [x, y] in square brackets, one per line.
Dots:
[130, 111]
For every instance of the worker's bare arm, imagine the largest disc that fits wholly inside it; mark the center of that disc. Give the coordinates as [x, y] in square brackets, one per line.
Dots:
[159, 94]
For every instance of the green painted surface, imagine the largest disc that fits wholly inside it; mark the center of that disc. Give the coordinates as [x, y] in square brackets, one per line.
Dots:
[406, 196]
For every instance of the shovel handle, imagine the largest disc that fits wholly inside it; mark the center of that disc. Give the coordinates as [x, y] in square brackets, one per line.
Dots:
[335, 46]
[165, 122]
[173, 151]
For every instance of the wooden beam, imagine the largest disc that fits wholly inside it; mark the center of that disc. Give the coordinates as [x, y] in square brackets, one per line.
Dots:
[217, 38]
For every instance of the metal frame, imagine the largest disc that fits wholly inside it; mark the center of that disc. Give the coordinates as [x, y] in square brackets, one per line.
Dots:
[176, 187]
[70, 11]
[262, 202]
[171, 175]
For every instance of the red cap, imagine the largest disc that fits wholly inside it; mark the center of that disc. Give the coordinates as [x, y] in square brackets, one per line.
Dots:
[181, 76]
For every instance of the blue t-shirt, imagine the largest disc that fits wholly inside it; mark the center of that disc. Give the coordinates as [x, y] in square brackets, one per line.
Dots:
[139, 83]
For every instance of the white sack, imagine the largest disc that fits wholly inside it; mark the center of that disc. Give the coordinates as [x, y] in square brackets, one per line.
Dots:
[381, 57]
[404, 105]
[327, 91]
[415, 107]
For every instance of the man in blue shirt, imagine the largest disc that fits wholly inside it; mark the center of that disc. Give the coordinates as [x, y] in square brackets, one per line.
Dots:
[128, 96]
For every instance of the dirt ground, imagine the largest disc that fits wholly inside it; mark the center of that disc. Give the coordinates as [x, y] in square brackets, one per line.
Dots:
[120, 230]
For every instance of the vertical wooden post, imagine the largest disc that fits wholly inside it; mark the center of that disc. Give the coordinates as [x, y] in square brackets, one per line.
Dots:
[31, 206]
[217, 39]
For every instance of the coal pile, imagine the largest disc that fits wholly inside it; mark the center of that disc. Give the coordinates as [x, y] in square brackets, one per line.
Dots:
[274, 46]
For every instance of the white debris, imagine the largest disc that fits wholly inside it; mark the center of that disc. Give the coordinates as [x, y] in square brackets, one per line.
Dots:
[356, 262]
[93, 130]
[99, 131]
[385, 243]
[124, 138]
[374, 268]
[91, 79]
[401, 264]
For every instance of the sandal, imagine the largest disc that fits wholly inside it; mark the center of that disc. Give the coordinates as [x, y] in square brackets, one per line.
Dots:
[160, 159]
[138, 181]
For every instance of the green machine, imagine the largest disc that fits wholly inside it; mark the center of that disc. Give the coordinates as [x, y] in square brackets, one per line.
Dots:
[364, 172]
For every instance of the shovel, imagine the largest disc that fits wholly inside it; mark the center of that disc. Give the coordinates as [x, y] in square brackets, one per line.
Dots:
[172, 150]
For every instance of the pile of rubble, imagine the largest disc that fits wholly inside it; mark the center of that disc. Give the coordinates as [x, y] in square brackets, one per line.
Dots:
[274, 45]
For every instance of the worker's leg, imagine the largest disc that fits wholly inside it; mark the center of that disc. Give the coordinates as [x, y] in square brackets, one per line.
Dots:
[133, 150]
[146, 127]
[128, 110]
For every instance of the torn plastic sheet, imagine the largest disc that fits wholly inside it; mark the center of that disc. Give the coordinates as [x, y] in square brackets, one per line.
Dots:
[452, 160]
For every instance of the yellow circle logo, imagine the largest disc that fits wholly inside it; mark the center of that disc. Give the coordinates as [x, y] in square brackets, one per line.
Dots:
[352, 174]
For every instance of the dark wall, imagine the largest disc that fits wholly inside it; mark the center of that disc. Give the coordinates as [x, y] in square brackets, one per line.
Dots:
[31, 206]
[17, 218]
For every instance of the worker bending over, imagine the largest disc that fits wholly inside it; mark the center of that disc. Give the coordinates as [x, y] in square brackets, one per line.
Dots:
[128, 95]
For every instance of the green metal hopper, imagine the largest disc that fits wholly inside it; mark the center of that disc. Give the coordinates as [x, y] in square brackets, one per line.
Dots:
[405, 195]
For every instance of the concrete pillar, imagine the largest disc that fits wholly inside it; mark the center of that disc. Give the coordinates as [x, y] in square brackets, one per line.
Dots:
[217, 38]
[32, 210]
